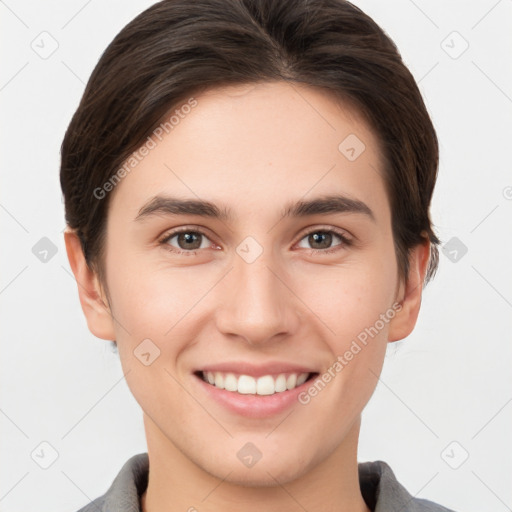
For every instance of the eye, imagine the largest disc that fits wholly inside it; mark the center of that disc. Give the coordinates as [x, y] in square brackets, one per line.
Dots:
[321, 241]
[185, 241]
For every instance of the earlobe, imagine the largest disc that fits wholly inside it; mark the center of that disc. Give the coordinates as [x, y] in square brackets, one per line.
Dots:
[410, 293]
[92, 297]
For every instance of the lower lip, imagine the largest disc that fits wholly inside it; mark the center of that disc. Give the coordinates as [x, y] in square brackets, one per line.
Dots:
[254, 406]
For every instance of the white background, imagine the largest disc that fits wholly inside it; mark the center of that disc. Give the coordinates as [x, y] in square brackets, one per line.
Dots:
[449, 381]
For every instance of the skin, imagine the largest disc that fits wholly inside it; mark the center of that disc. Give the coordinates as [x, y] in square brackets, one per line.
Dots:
[252, 148]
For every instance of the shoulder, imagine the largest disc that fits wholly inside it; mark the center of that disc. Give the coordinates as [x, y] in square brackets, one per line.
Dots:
[124, 493]
[383, 493]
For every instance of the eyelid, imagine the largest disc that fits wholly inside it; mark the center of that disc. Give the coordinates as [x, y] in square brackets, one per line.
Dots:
[163, 239]
[346, 238]
[343, 233]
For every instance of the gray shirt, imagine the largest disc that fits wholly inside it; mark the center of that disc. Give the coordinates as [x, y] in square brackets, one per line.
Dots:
[379, 487]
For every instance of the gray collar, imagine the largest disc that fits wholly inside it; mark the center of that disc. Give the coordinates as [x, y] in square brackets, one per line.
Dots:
[379, 487]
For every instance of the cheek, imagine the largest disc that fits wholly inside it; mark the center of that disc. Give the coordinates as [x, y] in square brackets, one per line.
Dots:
[153, 310]
[356, 309]
[349, 298]
[355, 303]
[150, 304]
[147, 298]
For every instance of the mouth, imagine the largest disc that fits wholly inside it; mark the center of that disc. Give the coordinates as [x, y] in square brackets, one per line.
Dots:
[263, 385]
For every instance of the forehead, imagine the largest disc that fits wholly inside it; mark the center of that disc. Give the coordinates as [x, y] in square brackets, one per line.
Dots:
[242, 144]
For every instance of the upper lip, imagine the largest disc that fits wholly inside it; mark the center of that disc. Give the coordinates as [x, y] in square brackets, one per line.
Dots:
[254, 370]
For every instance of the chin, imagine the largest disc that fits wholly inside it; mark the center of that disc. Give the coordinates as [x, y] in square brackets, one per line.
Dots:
[266, 475]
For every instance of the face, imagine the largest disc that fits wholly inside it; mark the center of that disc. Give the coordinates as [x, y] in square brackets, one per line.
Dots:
[247, 289]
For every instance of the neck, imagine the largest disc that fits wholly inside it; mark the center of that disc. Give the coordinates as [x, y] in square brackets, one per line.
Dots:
[177, 483]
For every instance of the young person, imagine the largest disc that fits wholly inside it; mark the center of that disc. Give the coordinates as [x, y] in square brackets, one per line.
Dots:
[247, 187]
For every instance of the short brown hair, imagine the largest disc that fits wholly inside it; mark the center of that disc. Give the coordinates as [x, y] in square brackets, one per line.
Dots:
[178, 48]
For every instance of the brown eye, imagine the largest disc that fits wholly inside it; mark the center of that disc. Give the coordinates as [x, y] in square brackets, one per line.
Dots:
[186, 240]
[189, 240]
[320, 240]
[324, 241]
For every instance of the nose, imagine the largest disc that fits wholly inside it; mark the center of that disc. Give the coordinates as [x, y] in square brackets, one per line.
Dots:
[257, 303]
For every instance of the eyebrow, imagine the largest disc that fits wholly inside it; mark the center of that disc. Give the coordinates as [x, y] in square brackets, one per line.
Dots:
[324, 205]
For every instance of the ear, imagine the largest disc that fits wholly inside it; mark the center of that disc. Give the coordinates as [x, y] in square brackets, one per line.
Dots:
[409, 295]
[92, 297]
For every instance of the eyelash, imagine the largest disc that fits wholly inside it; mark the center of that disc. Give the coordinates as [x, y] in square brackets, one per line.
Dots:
[345, 242]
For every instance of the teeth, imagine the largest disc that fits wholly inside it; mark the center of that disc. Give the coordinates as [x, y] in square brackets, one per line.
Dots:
[247, 385]
[302, 378]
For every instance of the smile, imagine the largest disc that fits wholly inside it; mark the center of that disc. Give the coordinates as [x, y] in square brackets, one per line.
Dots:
[248, 385]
